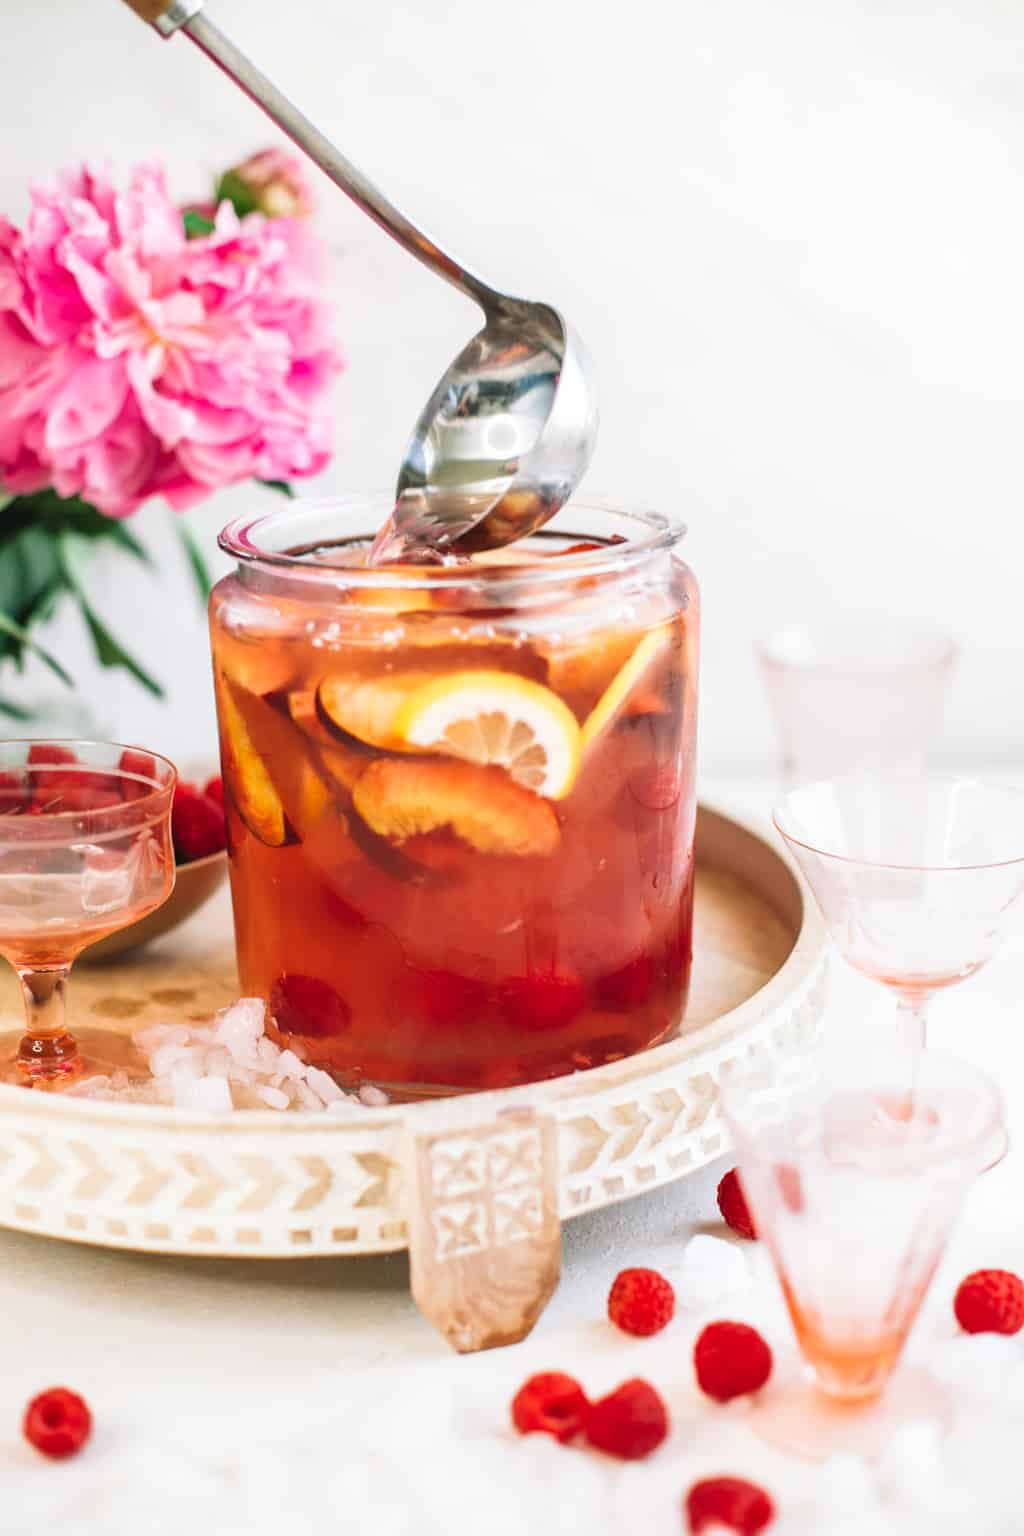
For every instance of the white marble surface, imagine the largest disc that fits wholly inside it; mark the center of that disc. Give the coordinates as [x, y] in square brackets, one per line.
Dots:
[281, 1399]
[791, 233]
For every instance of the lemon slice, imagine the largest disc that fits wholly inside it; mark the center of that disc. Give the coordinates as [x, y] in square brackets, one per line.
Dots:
[653, 646]
[496, 718]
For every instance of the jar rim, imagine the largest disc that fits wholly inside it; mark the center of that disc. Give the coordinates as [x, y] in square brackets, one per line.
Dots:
[241, 538]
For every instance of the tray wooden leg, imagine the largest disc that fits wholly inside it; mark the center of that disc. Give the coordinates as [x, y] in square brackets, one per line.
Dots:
[484, 1233]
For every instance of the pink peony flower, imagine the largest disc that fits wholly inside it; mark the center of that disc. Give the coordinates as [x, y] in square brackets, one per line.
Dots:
[134, 362]
[276, 182]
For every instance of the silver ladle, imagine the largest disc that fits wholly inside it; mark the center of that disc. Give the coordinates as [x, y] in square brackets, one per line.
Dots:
[508, 432]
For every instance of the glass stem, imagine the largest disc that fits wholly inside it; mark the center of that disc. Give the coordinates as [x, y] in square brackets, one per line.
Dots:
[913, 1017]
[46, 1049]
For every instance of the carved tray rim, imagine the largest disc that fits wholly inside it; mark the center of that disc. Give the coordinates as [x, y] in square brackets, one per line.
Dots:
[85, 1131]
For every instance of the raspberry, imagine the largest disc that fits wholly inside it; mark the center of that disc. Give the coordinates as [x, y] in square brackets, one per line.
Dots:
[543, 999]
[641, 1301]
[657, 787]
[729, 1501]
[732, 1203]
[141, 763]
[213, 789]
[58, 1423]
[630, 985]
[630, 1422]
[13, 792]
[444, 998]
[50, 754]
[731, 1359]
[197, 825]
[550, 1403]
[305, 1005]
[990, 1301]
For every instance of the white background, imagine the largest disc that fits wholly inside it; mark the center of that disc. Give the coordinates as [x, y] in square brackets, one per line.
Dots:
[791, 234]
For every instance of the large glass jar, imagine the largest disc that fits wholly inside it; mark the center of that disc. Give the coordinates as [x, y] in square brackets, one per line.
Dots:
[460, 798]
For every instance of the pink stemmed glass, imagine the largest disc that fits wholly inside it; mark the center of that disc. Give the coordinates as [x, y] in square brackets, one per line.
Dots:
[855, 1186]
[85, 849]
[856, 696]
[917, 878]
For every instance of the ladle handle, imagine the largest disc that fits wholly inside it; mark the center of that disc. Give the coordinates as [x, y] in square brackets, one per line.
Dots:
[170, 16]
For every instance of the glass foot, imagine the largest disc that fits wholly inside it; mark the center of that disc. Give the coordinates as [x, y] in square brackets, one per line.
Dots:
[796, 1417]
[54, 1065]
[995, 1150]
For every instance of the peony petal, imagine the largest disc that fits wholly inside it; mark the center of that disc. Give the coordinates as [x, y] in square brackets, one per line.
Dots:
[90, 401]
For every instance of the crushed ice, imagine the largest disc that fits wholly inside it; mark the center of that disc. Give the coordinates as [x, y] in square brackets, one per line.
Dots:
[229, 1064]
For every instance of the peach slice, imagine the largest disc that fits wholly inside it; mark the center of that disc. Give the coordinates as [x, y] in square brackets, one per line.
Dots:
[588, 666]
[340, 761]
[258, 802]
[402, 797]
[624, 689]
[275, 762]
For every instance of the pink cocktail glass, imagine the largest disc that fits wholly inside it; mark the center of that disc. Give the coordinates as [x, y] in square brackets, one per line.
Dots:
[855, 1185]
[917, 878]
[85, 850]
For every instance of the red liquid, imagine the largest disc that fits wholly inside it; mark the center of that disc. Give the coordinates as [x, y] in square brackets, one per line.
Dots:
[419, 961]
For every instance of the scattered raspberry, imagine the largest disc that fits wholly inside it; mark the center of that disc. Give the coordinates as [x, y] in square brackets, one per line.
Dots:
[630, 1422]
[641, 1301]
[630, 985]
[197, 825]
[142, 764]
[213, 789]
[729, 1501]
[543, 999]
[305, 1005]
[550, 1403]
[731, 1359]
[732, 1203]
[990, 1301]
[58, 1423]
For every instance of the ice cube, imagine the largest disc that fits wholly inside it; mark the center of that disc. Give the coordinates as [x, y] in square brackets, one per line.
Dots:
[269, 1055]
[240, 1029]
[170, 1058]
[155, 1035]
[373, 1097]
[711, 1268]
[203, 1093]
[306, 1096]
[289, 1066]
[272, 1097]
[323, 1084]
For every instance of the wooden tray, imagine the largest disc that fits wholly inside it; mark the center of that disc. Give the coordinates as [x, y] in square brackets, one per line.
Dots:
[476, 1187]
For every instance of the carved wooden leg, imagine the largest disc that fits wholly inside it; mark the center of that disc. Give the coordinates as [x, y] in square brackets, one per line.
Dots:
[484, 1233]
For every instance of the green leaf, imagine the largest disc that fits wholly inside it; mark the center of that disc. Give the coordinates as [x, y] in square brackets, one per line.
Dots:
[9, 627]
[234, 190]
[197, 224]
[197, 564]
[111, 653]
[278, 485]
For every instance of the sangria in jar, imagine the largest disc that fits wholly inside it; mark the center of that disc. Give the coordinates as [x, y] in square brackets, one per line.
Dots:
[460, 797]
